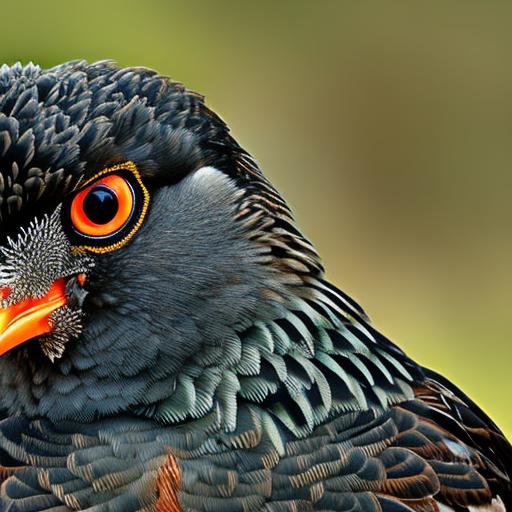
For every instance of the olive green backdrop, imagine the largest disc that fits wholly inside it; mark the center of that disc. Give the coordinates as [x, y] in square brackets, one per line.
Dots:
[386, 125]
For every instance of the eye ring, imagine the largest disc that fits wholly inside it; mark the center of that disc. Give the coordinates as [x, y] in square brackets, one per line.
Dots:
[107, 210]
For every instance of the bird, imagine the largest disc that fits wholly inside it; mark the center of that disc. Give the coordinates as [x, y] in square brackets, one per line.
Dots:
[168, 338]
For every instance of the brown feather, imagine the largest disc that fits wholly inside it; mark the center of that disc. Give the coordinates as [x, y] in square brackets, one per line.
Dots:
[168, 483]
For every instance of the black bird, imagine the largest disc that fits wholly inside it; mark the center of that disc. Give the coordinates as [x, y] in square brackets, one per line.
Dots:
[169, 341]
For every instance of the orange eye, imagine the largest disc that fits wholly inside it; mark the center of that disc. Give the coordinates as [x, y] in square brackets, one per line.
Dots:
[108, 211]
[104, 207]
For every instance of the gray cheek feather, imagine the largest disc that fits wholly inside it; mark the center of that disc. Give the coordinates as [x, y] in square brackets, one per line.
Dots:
[187, 282]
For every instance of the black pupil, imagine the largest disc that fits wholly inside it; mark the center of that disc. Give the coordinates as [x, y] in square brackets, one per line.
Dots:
[100, 204]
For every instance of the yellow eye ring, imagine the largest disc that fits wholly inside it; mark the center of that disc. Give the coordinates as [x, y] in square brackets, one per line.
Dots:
[107, 210]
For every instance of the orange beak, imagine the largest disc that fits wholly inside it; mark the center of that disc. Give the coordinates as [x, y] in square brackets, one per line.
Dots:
[30, 317]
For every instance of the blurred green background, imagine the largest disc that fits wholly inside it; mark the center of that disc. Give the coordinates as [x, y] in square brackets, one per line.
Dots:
[386, 125]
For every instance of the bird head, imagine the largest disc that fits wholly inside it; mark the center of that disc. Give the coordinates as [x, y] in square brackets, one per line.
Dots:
[138, 241]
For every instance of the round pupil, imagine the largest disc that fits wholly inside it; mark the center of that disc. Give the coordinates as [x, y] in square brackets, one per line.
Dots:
[100, 204]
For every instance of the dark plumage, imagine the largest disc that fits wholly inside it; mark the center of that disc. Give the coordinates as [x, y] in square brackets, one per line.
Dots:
[198, 360]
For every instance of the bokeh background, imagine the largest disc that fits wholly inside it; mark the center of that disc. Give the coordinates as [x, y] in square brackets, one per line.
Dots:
[387, 126]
